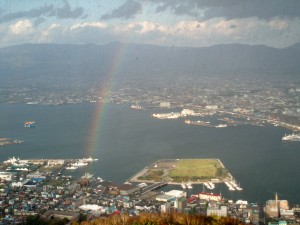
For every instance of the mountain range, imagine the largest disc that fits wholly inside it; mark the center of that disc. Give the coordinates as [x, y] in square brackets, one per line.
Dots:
[87, 63]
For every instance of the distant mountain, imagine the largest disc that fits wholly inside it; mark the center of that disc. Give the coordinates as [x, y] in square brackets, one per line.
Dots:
[85, 64]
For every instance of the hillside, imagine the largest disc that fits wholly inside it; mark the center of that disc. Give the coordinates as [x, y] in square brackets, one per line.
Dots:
[85, 64]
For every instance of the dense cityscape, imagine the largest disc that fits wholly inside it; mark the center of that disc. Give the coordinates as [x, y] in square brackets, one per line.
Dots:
[39, 187]
[259, 99]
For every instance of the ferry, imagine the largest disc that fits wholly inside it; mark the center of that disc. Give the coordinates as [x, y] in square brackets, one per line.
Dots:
[79, 164]
[291, 137]
[90, 159]
[138, 107]
[29, 124]
[221, 125]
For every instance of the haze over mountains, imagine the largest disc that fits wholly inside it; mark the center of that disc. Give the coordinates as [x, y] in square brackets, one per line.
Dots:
[84, 64]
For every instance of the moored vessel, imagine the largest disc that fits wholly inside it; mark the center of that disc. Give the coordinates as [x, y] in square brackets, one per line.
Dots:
[291, 137]
[29, 124]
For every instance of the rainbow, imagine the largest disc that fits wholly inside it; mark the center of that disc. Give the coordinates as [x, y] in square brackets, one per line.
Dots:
[105, 87]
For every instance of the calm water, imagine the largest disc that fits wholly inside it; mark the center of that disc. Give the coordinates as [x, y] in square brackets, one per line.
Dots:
[129, 140]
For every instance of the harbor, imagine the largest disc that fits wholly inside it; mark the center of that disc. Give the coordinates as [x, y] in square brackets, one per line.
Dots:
[44, 167]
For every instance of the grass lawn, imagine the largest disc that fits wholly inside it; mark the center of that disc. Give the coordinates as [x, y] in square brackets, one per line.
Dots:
[196, 168]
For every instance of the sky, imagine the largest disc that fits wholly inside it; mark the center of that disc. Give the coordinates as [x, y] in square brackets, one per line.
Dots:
[188, 23]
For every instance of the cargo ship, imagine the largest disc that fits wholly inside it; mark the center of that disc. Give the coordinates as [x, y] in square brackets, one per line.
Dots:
[29, 124]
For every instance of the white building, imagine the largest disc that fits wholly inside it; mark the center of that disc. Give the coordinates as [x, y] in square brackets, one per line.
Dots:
[176, 193]
[92, 207]
[213, 107]
[217, 211]
[6, 176]
[165, 105]
[209, 196]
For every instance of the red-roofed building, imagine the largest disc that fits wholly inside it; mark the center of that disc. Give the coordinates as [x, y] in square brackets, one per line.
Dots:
[209, 196]
[192, 199]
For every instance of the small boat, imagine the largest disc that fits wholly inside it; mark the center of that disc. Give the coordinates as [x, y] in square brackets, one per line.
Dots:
[29, 124]
[71, 168]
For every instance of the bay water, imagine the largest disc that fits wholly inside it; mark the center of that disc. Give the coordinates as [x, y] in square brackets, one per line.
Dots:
[128, 140]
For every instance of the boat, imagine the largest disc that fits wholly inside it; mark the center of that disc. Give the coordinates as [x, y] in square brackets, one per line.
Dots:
[29, 124]
[209, 185]
[189, 185]
[79, 164]
[291, 137]
[229, 185]
[142, 185]
[221, 125]
[100, 179]
[183, 185]
[136, 107]
[71, 168]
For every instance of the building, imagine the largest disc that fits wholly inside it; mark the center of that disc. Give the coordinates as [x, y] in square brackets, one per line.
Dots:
[165, 105]
[165, 207]
[50, 214]
[127, 189]
[211, 107]
[209, 196]
[176, 193]
[180, 203]
[217, 211]
[274, 207]
[7, 176]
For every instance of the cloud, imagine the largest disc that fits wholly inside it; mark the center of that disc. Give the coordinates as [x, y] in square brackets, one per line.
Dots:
[33, 13]
[276, 32]
[67, 12]
[45, 11]
[126, 11]
[230, 9]
[21, 27]
[89, 24]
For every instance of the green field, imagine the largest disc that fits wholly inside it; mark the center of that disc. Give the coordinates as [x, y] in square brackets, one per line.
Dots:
[197, 169]
[178, 170]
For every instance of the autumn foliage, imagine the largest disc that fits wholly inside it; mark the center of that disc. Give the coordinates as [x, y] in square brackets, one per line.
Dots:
[174, 218]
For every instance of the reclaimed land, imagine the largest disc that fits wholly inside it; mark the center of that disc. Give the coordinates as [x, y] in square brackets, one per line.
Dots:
[183, 170]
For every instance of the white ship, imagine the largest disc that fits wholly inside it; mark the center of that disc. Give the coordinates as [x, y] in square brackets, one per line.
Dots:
[142, 185]
[183, 185]
[229, 185]
[71, 168]
[89, 159]
[136, 107]
[209, 185]
[291, 137]
[171, 115]
[79, 163]
[221, 125]
[189, 185]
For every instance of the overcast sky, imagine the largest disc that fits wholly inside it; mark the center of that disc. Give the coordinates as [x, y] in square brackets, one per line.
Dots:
[197, 23]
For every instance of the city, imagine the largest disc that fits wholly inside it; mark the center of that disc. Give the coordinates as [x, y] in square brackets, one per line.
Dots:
[38, 187]
[259, 99]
